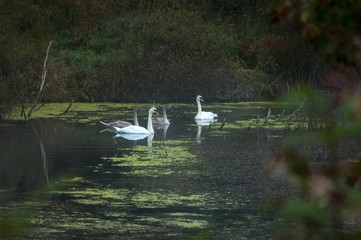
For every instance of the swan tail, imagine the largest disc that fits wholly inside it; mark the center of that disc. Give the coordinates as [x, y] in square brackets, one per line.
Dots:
[116, 128]
[106, 124]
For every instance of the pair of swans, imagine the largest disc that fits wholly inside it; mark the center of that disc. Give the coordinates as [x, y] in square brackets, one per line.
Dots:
[158, 122]
[136, 129]
[133, 132]
[133, 129]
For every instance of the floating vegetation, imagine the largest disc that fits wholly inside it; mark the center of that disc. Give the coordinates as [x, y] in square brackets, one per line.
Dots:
[91, 113]
[175, 186]
[170, 159]
[82, 112]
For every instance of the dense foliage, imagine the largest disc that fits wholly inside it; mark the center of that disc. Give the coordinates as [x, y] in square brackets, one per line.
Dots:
[316, 161]
[164, 51]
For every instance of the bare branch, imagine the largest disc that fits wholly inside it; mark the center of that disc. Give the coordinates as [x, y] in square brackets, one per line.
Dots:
[299, 108]
[43, 78]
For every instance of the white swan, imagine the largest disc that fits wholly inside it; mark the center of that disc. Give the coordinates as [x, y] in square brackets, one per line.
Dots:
[162, 120]
[138, 129]
[203, 115]
[132, 137]
[122, 124]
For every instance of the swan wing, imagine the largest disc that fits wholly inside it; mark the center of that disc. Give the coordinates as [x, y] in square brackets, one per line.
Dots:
[160, 121]
[157, 120]
[119, 124]
[206, 115]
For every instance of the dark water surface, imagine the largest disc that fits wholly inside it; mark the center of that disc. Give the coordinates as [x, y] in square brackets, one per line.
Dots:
[72, 181]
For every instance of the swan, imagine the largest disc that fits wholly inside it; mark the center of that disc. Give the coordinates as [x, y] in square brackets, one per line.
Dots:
[132, 137]
[132, 129]
[121, 124]
[162, 120]
[203, 115]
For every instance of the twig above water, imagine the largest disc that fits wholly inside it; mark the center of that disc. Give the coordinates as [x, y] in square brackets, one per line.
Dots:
[66, 111]
[268, 115]
[299, 108]
[224, 121]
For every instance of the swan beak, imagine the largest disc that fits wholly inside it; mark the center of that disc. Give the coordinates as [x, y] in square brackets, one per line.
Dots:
[156, 113]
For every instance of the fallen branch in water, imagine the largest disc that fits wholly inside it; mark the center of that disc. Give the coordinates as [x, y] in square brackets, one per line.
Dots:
[281, 116]
[224, 121]
[66, 111]
[299, 108]
[268, 115]
[39, 107]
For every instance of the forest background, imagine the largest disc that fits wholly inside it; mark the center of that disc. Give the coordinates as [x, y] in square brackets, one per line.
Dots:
[145, 51]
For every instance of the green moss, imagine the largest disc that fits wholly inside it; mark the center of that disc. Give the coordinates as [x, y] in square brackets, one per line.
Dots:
[182, 220]
[93, 112]
[83, 112]
[160, 162]
[163, 200]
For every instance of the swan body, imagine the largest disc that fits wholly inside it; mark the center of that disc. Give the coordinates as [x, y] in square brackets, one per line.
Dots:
[122, 124]
[205, 122]
[132, 129]
[201, 115]
[132, 137]
[162, 120]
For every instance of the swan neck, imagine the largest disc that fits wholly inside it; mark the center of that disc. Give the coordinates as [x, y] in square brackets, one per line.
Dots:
[199, 106]
[165, 119]
[135, 118]
[150, 124]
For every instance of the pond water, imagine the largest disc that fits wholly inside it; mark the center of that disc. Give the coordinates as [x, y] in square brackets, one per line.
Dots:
[70, 180]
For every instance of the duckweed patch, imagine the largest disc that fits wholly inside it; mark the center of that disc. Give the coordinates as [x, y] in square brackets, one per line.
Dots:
[164, 200]
[271, 123]
[179, 220]
[168, 160]
[93, 112]
[84, 112]
[96, 193]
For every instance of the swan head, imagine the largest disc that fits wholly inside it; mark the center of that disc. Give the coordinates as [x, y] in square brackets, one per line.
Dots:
[153, 110]
[199, 98]
[136, 109]
[167, 107]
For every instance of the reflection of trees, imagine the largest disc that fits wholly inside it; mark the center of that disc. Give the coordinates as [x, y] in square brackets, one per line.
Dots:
[28, 150]
[18, 169]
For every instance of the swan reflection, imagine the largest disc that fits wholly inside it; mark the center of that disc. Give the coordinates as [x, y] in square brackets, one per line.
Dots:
[135, 137]
[202, 123]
